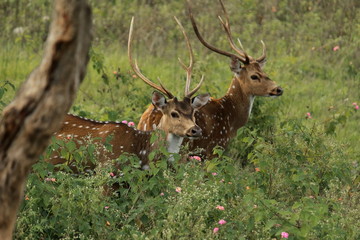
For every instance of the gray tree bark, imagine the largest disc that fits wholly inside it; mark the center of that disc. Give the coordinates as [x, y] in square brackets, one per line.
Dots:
[28, 122]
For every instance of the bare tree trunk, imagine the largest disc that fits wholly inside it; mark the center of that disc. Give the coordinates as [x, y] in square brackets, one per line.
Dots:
[36, 112]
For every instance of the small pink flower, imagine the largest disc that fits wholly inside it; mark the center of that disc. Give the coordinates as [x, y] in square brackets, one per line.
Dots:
[220, 207]
[308, 115]
[50, 179]
[354, 103]
[216, 230]
[131, 124]
[112, 174]
[336, 48]
[257, 169]
[178, 189]
[222, 222]
[357, 107]
[124, 121]
[106, 207]
[115, 72]
[214, 173]
[196, 158]
[284, 235]
[162, 194]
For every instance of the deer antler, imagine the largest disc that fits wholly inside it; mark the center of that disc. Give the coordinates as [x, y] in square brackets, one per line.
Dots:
[262, 58]
[189, 68]
[206, 44]
[136, 68]
[242, 56]
[226, 24]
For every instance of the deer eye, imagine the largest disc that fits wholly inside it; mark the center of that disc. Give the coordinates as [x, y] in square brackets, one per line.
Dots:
[175, 115]
[254, 77]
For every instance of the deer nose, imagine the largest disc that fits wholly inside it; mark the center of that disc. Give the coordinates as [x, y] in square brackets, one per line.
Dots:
[194, 132]
[278, 91]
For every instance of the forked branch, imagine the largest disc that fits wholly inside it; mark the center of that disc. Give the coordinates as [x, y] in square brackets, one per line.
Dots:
[28, 122]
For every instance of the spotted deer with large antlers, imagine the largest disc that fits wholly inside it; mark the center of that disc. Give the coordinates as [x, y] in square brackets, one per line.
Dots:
[177, 119]
[220, 118]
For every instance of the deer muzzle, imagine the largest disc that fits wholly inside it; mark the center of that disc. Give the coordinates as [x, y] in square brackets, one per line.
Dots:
[194, 132]
[278, 91]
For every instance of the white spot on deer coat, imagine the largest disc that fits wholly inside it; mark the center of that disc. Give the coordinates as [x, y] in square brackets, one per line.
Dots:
[145, 167]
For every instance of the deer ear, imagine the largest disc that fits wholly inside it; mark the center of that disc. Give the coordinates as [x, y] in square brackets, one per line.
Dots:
[262, 63]
[158, 100]
[235, 65]
[200, 100]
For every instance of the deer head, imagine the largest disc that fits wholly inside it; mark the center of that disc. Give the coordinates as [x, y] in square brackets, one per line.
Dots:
[178, 116]
[247, 70]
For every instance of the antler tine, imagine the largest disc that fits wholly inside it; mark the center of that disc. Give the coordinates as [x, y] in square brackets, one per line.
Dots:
[166, 91]
[189, 95]
[191, 58]
[242, 47]
[136, 68]
[226, 24]
[263, 56]
[201, 39]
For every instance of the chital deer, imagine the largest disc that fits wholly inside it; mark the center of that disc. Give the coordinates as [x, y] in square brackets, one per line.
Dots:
[221, 118]
[177, 119]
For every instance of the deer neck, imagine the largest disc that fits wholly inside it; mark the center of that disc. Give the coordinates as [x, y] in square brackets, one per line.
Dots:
[173, 142]
[240, 102]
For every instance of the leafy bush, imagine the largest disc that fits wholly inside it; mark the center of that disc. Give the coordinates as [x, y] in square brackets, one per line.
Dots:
[296, 183]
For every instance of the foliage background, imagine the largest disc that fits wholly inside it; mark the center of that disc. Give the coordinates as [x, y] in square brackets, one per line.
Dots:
[308, 183]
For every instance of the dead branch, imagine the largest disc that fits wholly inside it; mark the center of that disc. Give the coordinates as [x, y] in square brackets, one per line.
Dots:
[28, 122]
